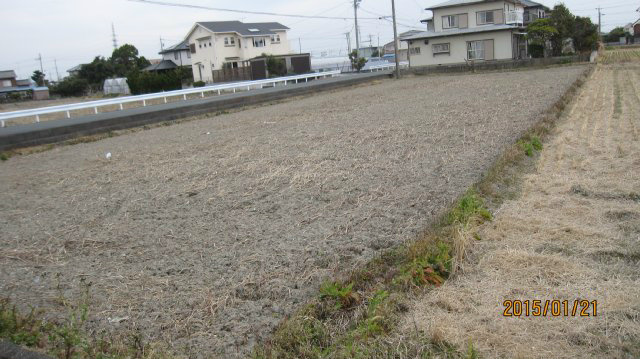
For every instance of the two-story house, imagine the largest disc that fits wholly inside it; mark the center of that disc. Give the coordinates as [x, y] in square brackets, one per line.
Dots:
[230, 43]
[472, 30]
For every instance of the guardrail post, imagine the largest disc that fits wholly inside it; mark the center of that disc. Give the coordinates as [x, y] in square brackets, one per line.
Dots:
[219, 93]
[285, 82]
[37, 119]
[95, 110]
[2, 123]
[234, 90]
[165, 100]
[184, 96]
[121, 107]
[68, 114]
[144, 103]
[202, 94]
[248, 88]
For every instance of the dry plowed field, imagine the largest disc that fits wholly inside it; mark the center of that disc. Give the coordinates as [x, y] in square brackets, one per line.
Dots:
[574, 234]
[205, 234]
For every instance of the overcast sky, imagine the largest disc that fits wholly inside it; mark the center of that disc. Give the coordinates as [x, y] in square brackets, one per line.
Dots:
[75, 31]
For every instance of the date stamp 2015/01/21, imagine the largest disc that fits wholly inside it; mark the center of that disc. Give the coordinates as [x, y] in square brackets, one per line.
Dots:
[550, 308]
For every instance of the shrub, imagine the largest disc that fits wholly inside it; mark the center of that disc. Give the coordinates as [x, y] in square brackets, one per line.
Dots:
[198, 84]
[70, 86]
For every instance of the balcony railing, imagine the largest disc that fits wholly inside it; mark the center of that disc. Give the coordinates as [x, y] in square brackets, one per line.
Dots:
[514, 17]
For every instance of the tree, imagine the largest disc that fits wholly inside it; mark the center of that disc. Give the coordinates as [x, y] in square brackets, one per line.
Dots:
[71, 86]
[585, 35]
[357, 63]
[539, 32]
[38, 77]
[615, 35]
[125, 59]
[564, 22]
[96, 72]
[275, 66]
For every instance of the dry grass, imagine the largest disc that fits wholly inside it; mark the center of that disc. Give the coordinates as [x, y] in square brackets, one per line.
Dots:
[571, 234]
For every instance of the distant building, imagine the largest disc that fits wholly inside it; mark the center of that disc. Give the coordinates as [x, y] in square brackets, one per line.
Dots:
[172, 57]
[75, 71]
[9, 84]
[403, 47]
[231, 44]
[474, 30]
[7, 79]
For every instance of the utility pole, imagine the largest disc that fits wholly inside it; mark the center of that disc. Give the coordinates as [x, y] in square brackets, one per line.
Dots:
[599, 23]
[395, 38]
[40, 59]
[55, 61]
[348, 34]
[115, 40]
[355, 10]
[161, 44]
[300, 44]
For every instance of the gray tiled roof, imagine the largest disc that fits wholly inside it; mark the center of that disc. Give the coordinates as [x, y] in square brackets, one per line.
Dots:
[528, 3]
[451, 3]
[184, 45]
[264, 28]
[162, 65]
[433, 34]
[7, 74]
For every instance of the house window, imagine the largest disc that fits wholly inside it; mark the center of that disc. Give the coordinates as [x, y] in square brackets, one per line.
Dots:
[6, 83]
[192, 48]
[200, 45]
[475, 50]
[541, 14]
[414, 51]
[485, 17]
[450, 21]
[226, 41]
[232, 40]
[440, 49]
[175, 55]
[189, 54]
[275, 39]
[258, 42]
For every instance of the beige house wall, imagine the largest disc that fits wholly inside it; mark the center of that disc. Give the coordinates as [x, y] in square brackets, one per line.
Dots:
[502, 43]
[212, 57]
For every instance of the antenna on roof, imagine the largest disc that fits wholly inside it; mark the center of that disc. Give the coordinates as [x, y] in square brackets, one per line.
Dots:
[115, 40]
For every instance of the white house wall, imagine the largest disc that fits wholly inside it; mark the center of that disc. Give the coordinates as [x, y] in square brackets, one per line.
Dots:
[213, 57]
[182, 60]
[471, 10]
[458, 48]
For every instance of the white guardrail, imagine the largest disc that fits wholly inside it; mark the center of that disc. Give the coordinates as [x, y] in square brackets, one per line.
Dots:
[95, 105]
[384, 67]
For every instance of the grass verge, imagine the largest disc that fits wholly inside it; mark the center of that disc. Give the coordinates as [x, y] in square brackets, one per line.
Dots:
[356, 316]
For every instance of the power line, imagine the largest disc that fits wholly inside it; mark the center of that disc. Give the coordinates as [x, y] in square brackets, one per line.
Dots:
[165, 3]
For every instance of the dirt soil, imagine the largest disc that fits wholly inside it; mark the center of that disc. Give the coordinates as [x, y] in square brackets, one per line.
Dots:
[574, 233]
[205, 234]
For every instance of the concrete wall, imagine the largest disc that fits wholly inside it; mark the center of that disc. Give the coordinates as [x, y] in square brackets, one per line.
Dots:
[471, 10]
[212, 53]
[502, 43]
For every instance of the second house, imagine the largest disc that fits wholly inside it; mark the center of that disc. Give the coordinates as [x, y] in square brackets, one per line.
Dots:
[214, 45]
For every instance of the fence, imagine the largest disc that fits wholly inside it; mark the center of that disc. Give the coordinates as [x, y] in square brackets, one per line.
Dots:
[232, 74]
[498, 65]
[95, 105]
